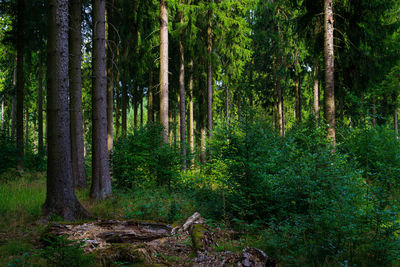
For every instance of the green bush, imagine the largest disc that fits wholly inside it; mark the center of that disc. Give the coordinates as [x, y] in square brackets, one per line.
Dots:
[315, 204]
[142, 159]
[9, 153]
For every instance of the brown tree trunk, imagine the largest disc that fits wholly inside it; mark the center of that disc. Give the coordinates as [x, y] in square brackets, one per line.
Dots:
[26, 126]
[316, 90]
[164, 68]
[182, 100]
[124, 107]
[2, 114]
[329, 95]
[209, 77]
[202, 125]
[298, 100]
[150, 101]
[141, 110]
[20, 83]
[40, 106]
[110, 73]
[191, 113]
[75, 91]
[101, 181]
[60, 195]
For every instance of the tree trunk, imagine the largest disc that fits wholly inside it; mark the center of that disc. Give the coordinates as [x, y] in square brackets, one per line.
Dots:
[124, 103]
[329, 95]
[75, 41]
[20, 83]
[182, 100]
[110, 73]
[150, 107]
[396, 122]
[202, 124]
[2, 114]
[281, 114]
[101, 181]
[298, 100]
[141, 110]
[191, 113]
[40, 106]
[13, 116]
[26, 126]
[135, 106]
[164, 68]
[316, 90]
[251, 83]
[209, 77]
[75, 91]
[60, 195]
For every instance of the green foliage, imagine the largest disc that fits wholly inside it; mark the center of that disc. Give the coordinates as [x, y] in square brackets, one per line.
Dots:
[9, 153]
[314, 203]
[142, 159]
[63, 252]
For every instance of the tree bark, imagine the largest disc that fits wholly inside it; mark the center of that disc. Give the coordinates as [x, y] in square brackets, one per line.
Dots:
[209, 77]
[26, 126]
[75, 91]
[40, 106]
[164, 68]
[281, 114]
[124, 107]
[110, 73]
[150, 106]
[101, 181]
[298, 100]
[329, 95]
[316, 90]
[135, 106]
[182, 99]
[60, 195]
[2, 114]
[191, 112]
[20, 83]
[141, 110]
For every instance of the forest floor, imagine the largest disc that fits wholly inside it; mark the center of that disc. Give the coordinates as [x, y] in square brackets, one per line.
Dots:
[111, 239]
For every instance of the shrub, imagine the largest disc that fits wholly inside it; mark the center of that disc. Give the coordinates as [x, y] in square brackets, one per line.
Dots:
[9, 153]
[142, 159]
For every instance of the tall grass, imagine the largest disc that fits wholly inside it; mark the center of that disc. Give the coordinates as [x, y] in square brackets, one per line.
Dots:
[21, 200]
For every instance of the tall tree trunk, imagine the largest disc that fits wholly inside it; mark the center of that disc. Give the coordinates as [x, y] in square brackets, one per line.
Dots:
[26, 126]
[135, 106]
[60, 195]
[13, 108]
[164, 68]
[124, 107]
[101, 181]
[110, 73]
[40, 106]
[150, 101]
[316, 90]
[75, 91]
[118, 113]
[2, 114]
[141, 110]
[209, 77]
[20, 83]
[191, 112]
[298, 100]
[329, 95]
[182, 100]
[202, 124]
[281, 113]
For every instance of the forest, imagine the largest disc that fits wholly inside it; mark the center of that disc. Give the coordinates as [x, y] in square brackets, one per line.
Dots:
[199, 133]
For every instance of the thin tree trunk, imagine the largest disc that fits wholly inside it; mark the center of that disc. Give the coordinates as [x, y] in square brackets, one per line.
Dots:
[13, 115]
[316, 90]
[2, 114]
[251, 83]
[191, 113]
[135, 106]
[26, 126]
[60, 195]
[209, 77]
[164, 68]
[141, 110]
[110, 73]
[202, 125]
[298, 100]
[124, 103]
[20, 83]
[150, 106]
[329, 95]
[182, 100]
[40, 107]
[118, 113]
[101, 181]
[281, 114]
[75, 42]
